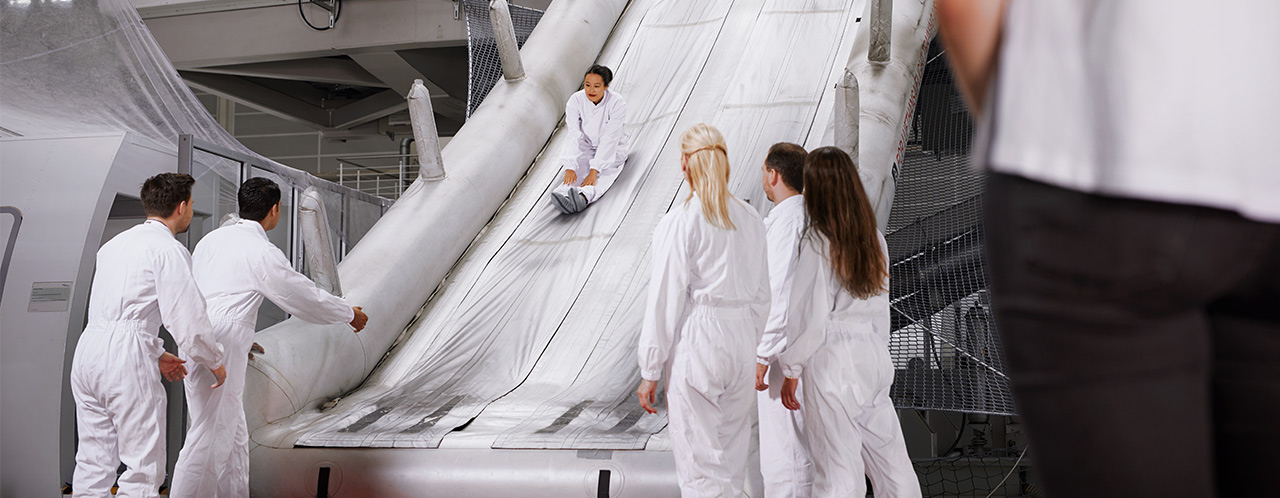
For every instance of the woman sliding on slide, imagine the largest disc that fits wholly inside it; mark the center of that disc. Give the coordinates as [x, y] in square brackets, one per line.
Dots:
[596, 121]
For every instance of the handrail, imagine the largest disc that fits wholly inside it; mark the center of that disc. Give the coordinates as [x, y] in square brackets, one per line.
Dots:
[188, 143]
[372, 169]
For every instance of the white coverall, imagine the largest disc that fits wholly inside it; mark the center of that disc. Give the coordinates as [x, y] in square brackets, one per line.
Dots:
[838, 346]
[597, 140]
[708, 301]
[236, 266]
[784, 461]
[142, 280]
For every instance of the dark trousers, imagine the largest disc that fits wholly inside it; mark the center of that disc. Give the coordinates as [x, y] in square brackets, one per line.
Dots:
[1143, 341]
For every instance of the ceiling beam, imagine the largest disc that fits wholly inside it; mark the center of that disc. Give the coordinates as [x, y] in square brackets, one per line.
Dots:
[398, 74]
[320, 70]
[198, 40]
[370, 108]
[392, 70]
[449, 107]
[258, 97]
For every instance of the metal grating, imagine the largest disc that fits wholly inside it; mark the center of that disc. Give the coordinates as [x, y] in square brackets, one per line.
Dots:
[944, 343]
[482, 49]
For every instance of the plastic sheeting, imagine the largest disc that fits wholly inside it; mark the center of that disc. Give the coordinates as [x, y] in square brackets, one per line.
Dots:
[78, 67]
[531, 340]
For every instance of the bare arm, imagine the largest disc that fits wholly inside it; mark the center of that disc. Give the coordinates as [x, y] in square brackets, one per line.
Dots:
[970, 30]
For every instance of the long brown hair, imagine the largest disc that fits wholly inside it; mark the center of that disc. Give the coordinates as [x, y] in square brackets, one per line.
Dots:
[838, 208]
[707, 169]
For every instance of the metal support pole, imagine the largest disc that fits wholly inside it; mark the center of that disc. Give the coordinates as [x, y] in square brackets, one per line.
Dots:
[404, 159]
[186, 149]
[294, 254]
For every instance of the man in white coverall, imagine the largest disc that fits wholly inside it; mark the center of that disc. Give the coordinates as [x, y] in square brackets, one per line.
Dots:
[142, 280]
[236, 266]
[784, 461]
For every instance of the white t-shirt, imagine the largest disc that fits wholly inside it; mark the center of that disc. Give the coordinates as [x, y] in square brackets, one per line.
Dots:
[1165, 100]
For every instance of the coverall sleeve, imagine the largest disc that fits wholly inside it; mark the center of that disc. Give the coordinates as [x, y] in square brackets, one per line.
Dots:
[808, 310]
[182, 308]
[296, 294]
[573, 148]
[784, 243]
[761, 302]
[668, 289]
[882, 320]
[614, 129]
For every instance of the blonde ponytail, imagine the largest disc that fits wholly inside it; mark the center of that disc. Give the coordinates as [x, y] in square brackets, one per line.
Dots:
[708, 172]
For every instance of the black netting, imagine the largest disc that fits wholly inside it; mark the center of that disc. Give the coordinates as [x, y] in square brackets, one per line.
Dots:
[944, 342]
[996, 473]
[482, 49]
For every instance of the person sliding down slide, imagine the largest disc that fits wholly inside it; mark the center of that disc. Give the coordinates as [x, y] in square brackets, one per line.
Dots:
[596, 119]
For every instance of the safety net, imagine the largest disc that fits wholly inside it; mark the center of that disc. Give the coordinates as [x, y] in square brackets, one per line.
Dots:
[944, 340]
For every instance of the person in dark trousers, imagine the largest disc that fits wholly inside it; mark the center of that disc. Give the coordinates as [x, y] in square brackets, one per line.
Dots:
[1133, 235]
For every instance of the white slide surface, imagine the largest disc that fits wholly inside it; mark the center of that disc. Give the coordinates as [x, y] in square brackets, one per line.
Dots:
[530, 342]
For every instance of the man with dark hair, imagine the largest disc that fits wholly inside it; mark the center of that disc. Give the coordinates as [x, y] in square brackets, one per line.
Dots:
[784, 461]
[237, 266]
[784, 167]
[142, 280]
[257, 198]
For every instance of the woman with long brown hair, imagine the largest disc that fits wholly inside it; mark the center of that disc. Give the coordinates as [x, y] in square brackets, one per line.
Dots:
[708, 301]
[838, 339]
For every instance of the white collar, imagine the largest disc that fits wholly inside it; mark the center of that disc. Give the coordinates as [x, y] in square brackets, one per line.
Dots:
[795, 199]
[258, 228]
[159, 224]
[594, 105]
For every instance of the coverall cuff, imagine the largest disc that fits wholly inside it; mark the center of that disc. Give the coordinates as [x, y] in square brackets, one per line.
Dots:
[763, 361]
[653, 375]
[792, 371]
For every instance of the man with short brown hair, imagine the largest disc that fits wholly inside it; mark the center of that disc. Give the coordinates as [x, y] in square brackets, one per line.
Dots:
[142, 281]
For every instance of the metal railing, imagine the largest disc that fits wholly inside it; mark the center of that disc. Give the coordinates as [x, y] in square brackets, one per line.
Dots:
[384, 175]
[188, 145]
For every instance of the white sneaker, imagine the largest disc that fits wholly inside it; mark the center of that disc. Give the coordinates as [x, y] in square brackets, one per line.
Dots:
[562, 202]
[578, 199]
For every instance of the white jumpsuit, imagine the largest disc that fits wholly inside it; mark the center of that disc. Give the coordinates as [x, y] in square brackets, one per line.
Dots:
[838, 346]
[784, 461]
[236, 266]
[708, 301]
[142, 280]
[597, 140]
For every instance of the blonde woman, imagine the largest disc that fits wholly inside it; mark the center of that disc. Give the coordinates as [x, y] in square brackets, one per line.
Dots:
[838, 339]
[708, 301]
